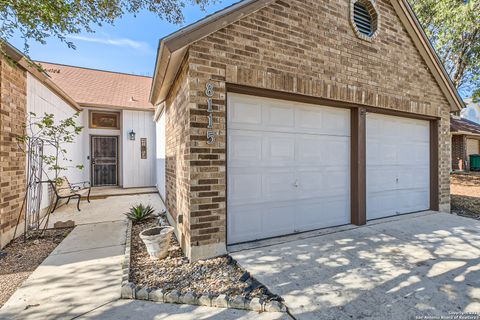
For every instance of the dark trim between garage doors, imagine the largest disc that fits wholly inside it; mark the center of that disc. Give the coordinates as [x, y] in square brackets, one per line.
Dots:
[358, 143]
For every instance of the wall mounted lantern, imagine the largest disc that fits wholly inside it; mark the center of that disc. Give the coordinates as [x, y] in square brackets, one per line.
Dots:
[131, 135]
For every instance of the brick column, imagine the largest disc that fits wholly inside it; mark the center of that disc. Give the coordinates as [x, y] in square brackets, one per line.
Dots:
[13, 105]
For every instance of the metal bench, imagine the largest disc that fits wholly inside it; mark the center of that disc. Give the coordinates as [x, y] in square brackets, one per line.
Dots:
[65, 190]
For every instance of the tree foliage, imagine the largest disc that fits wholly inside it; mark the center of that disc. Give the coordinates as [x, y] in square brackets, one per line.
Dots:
[453, 27]
[55, 135]
[40, 19]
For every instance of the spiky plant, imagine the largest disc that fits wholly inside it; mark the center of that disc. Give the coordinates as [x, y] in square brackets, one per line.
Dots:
[139, 212]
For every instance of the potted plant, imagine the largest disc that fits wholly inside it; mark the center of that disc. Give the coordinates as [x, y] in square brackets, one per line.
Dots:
[156, 239]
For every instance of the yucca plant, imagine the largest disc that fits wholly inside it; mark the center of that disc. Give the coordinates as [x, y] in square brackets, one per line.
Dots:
[140, 212]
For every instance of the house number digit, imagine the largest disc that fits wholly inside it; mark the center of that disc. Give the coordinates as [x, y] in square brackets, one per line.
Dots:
[209, 93]
[209, 90]
[210, 137]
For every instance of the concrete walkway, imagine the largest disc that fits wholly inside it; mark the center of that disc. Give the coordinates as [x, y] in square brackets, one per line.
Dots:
[82, 276]
[411, 266]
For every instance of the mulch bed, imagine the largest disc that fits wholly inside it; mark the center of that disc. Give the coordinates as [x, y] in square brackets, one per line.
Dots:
[465, 191]
[215, 276]
[19, 259]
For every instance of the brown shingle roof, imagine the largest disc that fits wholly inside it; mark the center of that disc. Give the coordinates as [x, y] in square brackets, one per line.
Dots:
[90, 87]
[464, 125]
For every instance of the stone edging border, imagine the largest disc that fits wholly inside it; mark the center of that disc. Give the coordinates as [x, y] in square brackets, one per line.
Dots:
[131, 291]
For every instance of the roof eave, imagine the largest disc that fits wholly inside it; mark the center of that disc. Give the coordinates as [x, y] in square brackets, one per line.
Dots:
[22, 61]
[173, 47]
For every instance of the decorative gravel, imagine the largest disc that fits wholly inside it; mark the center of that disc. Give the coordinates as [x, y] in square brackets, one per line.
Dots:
[465, 190]
[215, 276]
[19, 259]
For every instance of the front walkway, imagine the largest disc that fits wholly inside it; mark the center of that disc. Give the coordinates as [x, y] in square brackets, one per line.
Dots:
[82, 276]
[410, 266]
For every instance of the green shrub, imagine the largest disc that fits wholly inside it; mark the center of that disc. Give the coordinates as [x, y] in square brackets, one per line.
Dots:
[140, 212]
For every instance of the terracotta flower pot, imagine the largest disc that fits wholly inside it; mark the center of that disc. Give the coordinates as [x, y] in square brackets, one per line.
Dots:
[157, 241]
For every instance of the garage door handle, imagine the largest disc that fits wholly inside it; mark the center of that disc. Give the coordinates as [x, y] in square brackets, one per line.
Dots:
[296, 184]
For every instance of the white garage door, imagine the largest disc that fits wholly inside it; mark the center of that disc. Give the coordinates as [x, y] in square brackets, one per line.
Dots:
[288, 167]
[398, 165]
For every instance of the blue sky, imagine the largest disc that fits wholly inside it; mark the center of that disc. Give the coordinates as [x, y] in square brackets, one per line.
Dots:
[128, 46]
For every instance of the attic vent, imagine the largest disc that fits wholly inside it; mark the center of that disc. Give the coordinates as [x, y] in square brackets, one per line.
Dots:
[364, 19]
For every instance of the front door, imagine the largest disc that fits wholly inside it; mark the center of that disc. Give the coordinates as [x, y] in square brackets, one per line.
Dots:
[104, 160]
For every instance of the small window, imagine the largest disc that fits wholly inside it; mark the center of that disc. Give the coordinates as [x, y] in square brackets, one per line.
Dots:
[104, 120]
[364, 19]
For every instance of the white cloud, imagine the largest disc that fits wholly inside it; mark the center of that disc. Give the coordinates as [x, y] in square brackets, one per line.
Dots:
[119, 42]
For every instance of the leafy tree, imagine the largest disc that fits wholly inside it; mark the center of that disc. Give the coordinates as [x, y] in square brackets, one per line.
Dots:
[54, 135]
[453, 27]
[40, 19]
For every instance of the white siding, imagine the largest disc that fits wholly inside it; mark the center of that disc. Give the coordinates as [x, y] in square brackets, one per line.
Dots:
[138, 172]
[160, 162]
[41, 100]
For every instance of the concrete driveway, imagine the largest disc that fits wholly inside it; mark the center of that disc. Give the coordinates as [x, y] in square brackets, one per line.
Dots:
[399, 268]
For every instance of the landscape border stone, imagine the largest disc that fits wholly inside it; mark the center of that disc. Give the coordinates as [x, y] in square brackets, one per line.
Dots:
[131, 291]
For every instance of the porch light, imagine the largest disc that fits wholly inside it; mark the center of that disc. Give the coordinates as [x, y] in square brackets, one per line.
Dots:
[131, 135]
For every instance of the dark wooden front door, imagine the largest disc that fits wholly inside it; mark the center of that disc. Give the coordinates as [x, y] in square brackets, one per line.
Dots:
[104, 160]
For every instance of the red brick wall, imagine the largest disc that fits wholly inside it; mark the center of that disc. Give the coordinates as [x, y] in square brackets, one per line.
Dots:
[459, 151]
[304, 47]
[13, 104]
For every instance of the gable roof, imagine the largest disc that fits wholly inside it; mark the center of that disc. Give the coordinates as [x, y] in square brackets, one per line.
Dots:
[173, 47]
[465, 126]
[21, 60]
[98, 88]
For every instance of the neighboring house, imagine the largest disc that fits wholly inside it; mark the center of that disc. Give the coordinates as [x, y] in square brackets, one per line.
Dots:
[471, 111]
[118, 141]
[283, 117]
[465, 141]
[23, 89]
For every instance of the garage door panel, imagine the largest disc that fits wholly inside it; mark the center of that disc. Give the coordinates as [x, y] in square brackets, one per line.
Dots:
[413, 200]
[245, 187]
[302, 159]
[244, 146]
[279, 148]
[279, 117]
[398, 165]
[381, 153]
[313, 149]
[244, 112]
[322, 213]
[381, 178]
[408, 178]
[322, 120]
[277, 220]
[278, 185]
[381, 204]
[244, 223]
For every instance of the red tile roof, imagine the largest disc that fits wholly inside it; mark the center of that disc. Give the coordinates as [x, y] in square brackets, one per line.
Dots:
[464, 125]
[91, 87]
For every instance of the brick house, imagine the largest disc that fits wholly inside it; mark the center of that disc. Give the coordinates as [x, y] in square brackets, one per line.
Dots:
[279, 117]
[20, 85]
[465, 141]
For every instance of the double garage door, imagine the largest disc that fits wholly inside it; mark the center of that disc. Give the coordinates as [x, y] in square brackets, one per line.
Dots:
[288, 167]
